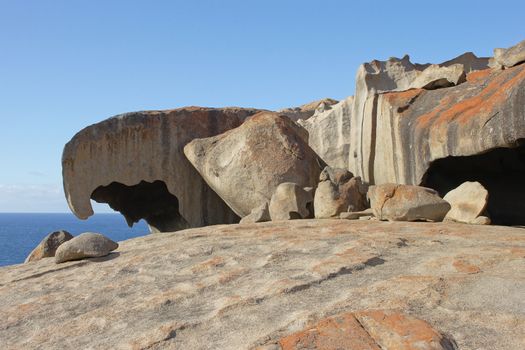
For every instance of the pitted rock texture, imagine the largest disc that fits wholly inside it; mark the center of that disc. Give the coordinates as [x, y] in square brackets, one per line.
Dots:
[135, 162]
[48, 246]
[244, 286]
[367, 330]
[245, 165]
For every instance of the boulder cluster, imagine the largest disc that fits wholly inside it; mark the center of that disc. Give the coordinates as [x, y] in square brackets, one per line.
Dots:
[417, 142]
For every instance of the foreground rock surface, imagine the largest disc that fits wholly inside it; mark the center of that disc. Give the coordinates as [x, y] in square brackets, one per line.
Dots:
[244, 286]
[48, 246]
[245, 165]
[85, 245]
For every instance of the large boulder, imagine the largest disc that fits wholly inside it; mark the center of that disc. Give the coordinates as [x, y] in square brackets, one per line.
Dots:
[290, 201]
[394, 202]
[238, 287]
[338, 191]
[468, 201]
[245, 165]
[135, 163]
[85, 245]
[48, 246]
[511, 56]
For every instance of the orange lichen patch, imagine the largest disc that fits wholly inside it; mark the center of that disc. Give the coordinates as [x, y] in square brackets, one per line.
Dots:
[216, 261]
[395, 331]
[369, 329]
[479, 106]
[478, 75]
[339, 332]
[519, 252]
[401, 98]
[465, 267]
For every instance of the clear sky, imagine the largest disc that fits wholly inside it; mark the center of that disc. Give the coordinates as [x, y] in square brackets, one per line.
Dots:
[68, 64]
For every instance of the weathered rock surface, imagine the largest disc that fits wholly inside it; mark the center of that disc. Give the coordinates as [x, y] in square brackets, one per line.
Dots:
[259, 214]
[368, 330]
[245, 165]
[512, 56]
[48, 246]
[85, 245]
[338, 191]
[135, 163]
[468, 201]
[308, 110]
[242, 286]
[329, 133]
[290, 201]
[396, 202]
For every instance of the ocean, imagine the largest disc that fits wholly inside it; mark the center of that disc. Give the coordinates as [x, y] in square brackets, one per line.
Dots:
[20, 233]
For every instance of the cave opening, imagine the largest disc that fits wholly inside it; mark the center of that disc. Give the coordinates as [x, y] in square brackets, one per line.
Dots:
[150, 201]
[500, 170]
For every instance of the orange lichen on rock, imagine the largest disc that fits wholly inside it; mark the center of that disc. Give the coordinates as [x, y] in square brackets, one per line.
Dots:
[370, 329]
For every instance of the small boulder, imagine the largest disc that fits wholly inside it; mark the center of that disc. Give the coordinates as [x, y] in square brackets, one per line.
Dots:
[85, 245]
[511, 56]
[338, 191]
[259, 214]
[394, 202]
[290, 201]
[468, 201]
[48, 246]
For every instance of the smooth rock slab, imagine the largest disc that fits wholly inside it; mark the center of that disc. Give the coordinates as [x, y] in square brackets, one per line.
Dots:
[243, 286]
[468, 201]
[85, 245]
[396, 202]
[48, 246]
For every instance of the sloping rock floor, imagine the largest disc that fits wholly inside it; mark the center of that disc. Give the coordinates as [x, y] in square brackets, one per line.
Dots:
[253, 285]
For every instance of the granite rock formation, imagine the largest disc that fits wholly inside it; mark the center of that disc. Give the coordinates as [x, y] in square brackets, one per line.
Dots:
[243, 286]
[48, 246]
[135, 163]
[258, 214]
[245, 165]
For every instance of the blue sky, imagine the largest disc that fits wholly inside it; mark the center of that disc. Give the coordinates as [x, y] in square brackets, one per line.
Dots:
[68, 64]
